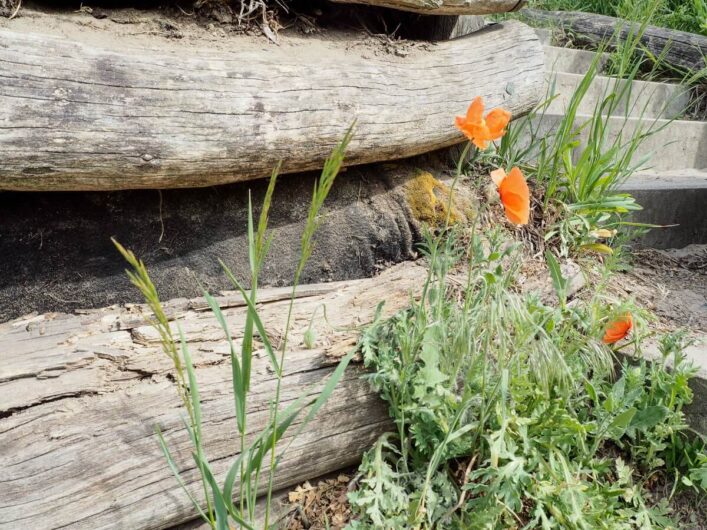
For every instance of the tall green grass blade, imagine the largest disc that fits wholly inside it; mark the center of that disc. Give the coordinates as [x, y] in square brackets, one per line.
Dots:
[175, 471]
[253, 254]
[193, 386]
[237, 375]
[222, 512]
[559, 282]
[252, 457]
[194, 429]
[254, 314]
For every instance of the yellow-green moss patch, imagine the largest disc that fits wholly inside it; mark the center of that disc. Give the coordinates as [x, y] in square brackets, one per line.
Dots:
[428, 199]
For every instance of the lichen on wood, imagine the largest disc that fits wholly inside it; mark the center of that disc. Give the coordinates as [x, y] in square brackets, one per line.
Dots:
[428, 200]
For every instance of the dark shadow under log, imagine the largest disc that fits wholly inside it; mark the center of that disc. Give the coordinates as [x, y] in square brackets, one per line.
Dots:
[57, 254]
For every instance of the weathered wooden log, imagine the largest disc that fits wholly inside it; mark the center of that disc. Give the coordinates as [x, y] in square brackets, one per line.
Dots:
[679, 48]
[80, 396]
[444, 7]
[436, 27]
[75, 116]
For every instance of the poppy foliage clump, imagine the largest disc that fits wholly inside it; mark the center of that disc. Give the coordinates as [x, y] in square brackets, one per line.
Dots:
[513, 187]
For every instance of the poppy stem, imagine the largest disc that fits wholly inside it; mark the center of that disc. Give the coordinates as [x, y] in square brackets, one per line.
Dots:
[460, 165]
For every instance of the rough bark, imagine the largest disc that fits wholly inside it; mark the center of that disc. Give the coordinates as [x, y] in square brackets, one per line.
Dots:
[80, 396]
[679, 48]
[75, 116]
[444, 7]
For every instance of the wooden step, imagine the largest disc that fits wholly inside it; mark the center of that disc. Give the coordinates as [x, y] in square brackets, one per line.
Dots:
[81, 394]
[126, 117]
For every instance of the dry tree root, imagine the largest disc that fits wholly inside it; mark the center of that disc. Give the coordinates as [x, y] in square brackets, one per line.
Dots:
[262, 14]
[244, 11]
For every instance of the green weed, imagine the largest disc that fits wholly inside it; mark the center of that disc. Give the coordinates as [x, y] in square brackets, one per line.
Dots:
[219, 510]
[507, 411]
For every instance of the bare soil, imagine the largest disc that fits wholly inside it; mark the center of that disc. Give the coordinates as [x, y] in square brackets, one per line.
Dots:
[191, 31]
[672, 283]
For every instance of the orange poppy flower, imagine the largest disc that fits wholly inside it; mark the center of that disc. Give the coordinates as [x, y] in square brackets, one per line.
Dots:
[514, 193]
[618, 329]
[479, 130]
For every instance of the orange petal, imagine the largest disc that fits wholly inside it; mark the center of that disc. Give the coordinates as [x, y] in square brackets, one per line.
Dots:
[517, 210]
[618, 329]
[461, 124]
[480, 142]
[497, 175]
[496, 120]
[475, 111]
[515, 197]
[482, 135]
[477, 134]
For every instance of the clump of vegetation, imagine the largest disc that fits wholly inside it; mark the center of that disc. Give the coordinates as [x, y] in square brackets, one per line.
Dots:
[508, 413]
[684, 15]
[578, 162]
[511, 413]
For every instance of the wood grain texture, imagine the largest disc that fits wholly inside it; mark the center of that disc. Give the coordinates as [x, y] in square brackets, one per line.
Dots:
[680, 48]
[75, 116]
[80, 396]
[444, 7]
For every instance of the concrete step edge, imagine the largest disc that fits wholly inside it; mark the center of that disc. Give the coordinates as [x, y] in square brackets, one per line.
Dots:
[687, 178]
[646, 98]
[570, 60]
[676, 201]
[545, 35]
[677, 144]
[692, 124]
[641, 84]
